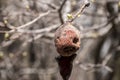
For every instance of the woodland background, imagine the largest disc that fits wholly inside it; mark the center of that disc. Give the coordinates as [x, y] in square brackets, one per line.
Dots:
[27, 51]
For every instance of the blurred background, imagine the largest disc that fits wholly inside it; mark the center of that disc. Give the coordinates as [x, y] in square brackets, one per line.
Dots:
[27, 50]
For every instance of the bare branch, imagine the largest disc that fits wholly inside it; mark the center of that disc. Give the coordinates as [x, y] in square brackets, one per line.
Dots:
[33, 21]
[86, 4]
[18, 29]
[47, 29]
[96, 27]
[60, 11]
[105, 61]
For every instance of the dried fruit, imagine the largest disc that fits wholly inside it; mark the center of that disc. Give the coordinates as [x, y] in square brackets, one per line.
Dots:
[67, 39]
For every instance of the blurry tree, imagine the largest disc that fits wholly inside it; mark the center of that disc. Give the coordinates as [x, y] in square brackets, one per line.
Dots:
[27, 29]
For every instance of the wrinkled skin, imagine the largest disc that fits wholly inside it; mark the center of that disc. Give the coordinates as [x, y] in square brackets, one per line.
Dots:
[67, 39]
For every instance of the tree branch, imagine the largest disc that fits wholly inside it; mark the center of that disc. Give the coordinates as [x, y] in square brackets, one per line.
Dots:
[60, 11]
[86, 4]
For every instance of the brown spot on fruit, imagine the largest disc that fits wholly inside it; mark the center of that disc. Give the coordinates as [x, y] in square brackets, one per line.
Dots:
[75, 40]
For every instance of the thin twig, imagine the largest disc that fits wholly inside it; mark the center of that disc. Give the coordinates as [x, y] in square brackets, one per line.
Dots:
[33, 21]
[47, 29]
[107, 58]
[19, 28]
[86, 4]
[60, 11]
[96, 27]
